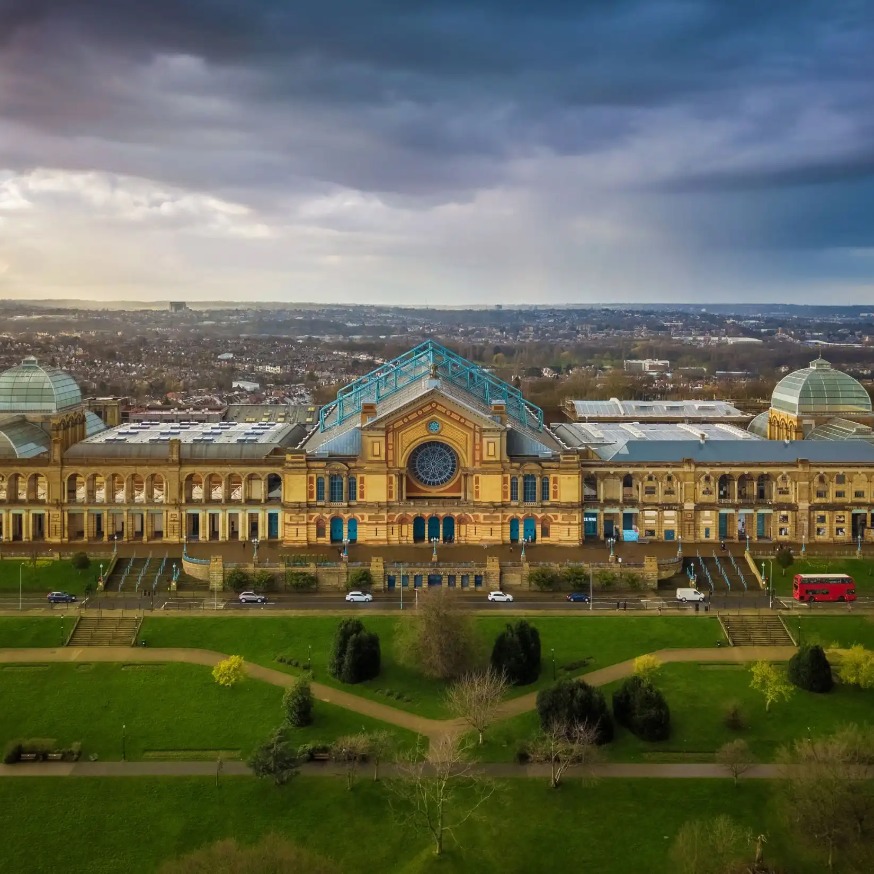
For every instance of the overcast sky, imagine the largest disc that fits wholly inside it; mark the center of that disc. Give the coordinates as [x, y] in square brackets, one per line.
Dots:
[444, 151]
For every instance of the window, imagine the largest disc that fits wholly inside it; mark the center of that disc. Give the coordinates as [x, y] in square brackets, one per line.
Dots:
[841, 493]
[820, 532]
[840, 479]
[529, 488]
[320, 488]
[336, 483]
[514, 488]
[649, 532]
[544, 530]
[859, 493]
[544, 489]
[649, 490]
[784, 532]
[320, 529]
[820, 518]
[784, 517]
[353, 488]
[821, 493]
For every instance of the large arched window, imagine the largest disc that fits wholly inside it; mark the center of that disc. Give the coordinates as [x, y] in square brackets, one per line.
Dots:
[514, 488]
[320, 488]
[352, 488]
[529, 488]
[544, 489]
[336, 488]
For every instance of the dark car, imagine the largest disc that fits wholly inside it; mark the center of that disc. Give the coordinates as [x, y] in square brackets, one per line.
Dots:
[578, 596]
[60, 597]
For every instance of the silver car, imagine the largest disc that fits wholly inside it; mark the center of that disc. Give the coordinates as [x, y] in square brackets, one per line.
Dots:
[500, 596]
[359, 596]
[252, 598]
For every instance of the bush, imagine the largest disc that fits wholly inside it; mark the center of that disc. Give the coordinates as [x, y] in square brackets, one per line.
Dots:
[356, 655]
[516, 653]
[734, 718]
[238, 580]
[12, 752]
[360, 578]
[298, 704]
[264, 581]
[301, 581]
[37, 746]
[809, 669]
[546, 579]
[571, 703]
[80, 561]
[230, 671]
[642, 709]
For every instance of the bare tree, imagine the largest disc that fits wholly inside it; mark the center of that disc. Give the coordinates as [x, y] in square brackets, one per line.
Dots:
[476, 698]
[712, 846]
[380, 744]
[437, 793]
[829, 788]
[350, 751]
[735, 757]
[562, 746]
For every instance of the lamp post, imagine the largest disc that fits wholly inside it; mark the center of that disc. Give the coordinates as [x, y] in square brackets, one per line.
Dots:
[553, 664]
[524, 541]
[402, 591]
[434, 542]
[748, 542]
[803, 544]
[679, 546]
[345, 549]
[859, 546]
[124, 742]
[611, 541]
[100, 578]
[20, 565]
[255, 543]
[591, 588]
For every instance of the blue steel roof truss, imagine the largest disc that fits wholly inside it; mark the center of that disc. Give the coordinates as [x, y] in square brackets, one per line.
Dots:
[417, 363]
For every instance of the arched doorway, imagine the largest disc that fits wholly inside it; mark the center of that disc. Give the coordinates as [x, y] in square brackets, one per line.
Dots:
[419, 529]
[352, 531]
[448, 529]
[433, 528]
[514, 531]
[336, 529]
[529, 529]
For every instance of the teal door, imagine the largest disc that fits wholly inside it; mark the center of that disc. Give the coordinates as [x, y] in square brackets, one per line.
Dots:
[272, 526]
[608, 528]
[336, 529]
[418, 529]
[390, 581]
[628, 521]
[352, 530]
[433, 528]
[514, 531]
[448, 529]
[760, 524]
[590, 524]
[723, 526]
[529, 529]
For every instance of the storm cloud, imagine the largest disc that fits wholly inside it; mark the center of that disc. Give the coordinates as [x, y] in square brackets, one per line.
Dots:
[458, 152]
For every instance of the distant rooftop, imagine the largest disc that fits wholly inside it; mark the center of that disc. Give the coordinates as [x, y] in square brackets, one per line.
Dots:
[633, 411]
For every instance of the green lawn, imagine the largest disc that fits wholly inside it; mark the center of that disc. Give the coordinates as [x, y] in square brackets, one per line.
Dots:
[164, 708]
[261, 638]
[861, 570]
[841, 630]
[27, 631]
[612, 827]
[47, 576]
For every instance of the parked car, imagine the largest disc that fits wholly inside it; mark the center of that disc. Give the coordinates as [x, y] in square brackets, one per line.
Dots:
[60, 597]
[579, 596]
[684, 595]
[252, 598]
[500, 596]
[359, 596]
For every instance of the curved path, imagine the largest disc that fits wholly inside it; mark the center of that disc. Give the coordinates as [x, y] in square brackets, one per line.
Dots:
[430, 728]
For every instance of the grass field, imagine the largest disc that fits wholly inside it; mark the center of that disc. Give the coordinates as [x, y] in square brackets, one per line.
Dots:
[860, 569]
[261, 638]
[46, 576]
[612, 827]
[27, 631]
[168, 710]
[841, 630]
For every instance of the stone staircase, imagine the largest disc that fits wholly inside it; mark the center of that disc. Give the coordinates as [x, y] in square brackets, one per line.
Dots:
[104, 631]
[719, 573]
[756, 630]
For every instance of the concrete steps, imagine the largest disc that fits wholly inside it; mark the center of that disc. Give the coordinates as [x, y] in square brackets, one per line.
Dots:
[756, 630]
[104, 631]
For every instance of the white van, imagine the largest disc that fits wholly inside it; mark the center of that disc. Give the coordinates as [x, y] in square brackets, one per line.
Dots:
[690, 595]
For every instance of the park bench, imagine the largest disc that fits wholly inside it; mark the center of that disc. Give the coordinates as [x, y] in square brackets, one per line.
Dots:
[55, 757]
[28, 757]
[321, 757]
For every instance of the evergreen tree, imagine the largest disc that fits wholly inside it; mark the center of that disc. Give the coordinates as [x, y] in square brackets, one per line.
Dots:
[809, 669]
[574, 703]
[516, 653]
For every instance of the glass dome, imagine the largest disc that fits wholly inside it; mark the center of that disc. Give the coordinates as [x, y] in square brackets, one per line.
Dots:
[819, 390]
[759, 425]
[29, 388]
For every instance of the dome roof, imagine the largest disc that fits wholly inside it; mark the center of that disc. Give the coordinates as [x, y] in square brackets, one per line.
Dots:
[819, 390]
[759, 425]
[29, 388]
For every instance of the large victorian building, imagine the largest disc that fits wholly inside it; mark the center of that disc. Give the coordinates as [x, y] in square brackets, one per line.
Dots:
[428, 446]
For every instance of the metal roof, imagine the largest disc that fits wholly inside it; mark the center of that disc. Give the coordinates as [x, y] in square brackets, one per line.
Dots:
[636, 410]
[29, 388]
[578, 434]
[841, 429]
[819, 390]
[742, 452]
[22, 439]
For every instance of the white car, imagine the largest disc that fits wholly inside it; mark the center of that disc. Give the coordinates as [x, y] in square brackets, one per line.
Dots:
[500, 596]
[252, 598]
[359, 596]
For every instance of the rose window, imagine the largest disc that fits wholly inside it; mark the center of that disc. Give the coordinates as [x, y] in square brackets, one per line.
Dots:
[433, 463]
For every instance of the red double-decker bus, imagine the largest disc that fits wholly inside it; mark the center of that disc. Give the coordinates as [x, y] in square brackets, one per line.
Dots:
[823, 587]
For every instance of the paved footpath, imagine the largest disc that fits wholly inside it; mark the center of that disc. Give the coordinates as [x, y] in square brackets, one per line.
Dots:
[430, 728]
[630, 771]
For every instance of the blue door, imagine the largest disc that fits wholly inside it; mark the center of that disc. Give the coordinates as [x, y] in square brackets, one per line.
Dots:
[418, 529]
[448, 529]
[417, 581]
[352, 530]
[628, 521]
[590, 524]
[670, 534]
[723, 526]
[435, 580]
[336, 530]
[272, 526]
[514, 531]
[760, 524]
[529, 529]
[390, 581]
[433, 528]
[608, 529]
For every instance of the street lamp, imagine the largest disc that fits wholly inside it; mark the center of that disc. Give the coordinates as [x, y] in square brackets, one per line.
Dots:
[553, 664]
[123, 742]
[803, 544]
[255, 543]
[21, 564]
[611, 541]
[679, 546]
[345, 548]
[434, 542]
[859, 545]
[524, 541]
